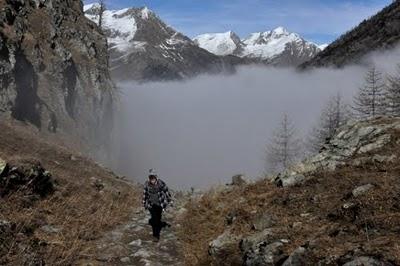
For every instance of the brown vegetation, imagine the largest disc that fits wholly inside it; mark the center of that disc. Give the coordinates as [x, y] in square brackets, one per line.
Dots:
[311, 214]
[62, 228]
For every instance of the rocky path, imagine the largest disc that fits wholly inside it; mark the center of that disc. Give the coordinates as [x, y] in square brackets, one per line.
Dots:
[132, 244]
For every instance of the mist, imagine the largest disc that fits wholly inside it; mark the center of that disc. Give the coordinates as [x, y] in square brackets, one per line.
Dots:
[201, 132]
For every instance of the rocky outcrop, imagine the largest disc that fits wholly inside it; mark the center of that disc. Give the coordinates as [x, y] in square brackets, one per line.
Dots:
[356, 139]
[54, 69]
[28, 177]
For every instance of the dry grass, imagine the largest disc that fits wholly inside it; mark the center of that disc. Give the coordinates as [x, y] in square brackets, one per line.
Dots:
[372, 227]
[81, 212]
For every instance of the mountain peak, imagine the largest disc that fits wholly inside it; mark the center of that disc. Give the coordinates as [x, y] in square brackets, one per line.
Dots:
[146, 12]
[280, 31]
[219, 43]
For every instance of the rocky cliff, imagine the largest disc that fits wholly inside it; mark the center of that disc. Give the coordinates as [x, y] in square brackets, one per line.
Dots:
[340, 207]
[54, 69]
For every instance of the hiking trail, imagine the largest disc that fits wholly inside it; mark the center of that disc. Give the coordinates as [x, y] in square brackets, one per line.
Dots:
[132, 243]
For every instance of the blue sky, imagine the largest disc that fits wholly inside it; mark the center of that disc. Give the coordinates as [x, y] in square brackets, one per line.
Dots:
[320, 21]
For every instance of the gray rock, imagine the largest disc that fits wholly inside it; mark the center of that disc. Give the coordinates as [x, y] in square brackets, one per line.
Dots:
[221, 246]
[384, 159]
[251, 242]
[50, 229]
[361, 190]
[297, 258]
[263, 221]
[377, 144]
[290, 180]
[264, 254]
[3, 166]
[239, 180]
[366, 261]
[125, 260]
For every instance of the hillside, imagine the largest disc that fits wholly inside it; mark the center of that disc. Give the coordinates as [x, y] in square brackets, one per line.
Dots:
[54, 70]
[340, 207]
[55, 204]
[379, 32]
[143, 48]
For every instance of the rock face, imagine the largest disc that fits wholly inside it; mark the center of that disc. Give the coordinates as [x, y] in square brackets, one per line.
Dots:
[353, 139]
[381, 31]
[144, 48]
[54, 69]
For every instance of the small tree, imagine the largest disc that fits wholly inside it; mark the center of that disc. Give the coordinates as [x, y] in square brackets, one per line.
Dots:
[284, 147]
[102, 9]
[334, 114]
[393, 94]
[370, 100]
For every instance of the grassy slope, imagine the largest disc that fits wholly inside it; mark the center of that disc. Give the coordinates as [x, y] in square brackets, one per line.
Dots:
[373, 227]
[82, 212]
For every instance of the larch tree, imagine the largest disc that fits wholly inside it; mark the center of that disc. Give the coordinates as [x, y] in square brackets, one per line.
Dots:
[334, 114]
[393, 94]
[370, 99]
[284, 147]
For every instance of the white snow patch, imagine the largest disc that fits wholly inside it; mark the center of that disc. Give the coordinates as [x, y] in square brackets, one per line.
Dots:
[145, 13]
[122, 25]
[323, 46]
[218, 43]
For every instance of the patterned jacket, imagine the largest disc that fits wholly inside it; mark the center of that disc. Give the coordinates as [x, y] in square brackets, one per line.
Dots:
[164, 196]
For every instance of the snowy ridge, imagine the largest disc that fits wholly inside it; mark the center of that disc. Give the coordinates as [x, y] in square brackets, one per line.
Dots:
[262, 45]
[219, 43]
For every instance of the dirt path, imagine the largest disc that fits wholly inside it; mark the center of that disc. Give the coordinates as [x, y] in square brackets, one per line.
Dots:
[132, 244]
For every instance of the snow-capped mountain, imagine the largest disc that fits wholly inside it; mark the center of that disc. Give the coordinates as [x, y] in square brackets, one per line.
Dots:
[227, 43]
[142, 47]
[276, 47]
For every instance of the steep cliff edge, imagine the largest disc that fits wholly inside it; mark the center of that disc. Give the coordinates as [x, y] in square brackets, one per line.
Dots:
[54, 69]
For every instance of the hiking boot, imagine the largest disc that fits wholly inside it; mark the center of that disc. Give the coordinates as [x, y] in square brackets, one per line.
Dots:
[156, 239]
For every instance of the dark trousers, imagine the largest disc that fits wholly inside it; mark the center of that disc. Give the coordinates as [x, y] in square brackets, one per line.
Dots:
[155, 220]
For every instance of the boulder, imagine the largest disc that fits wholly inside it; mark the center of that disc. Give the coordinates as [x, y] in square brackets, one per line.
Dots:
[361, 190]
[223, 245]
[251, 242]
[28, 176]
[3, 166]
[366, 261]
[263, 221]
[265, 254]
[238, 180]
[289, 180]
[297, 258]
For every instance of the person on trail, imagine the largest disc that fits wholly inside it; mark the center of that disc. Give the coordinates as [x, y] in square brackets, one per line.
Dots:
[156, 198]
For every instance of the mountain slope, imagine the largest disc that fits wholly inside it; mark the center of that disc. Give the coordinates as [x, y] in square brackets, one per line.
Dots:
[64, 225]
[276, 47]
[381, 31]
[142, 47]
[340, 207]
[54, 70]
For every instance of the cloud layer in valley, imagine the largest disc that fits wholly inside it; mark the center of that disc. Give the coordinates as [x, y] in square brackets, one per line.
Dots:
[202, 131]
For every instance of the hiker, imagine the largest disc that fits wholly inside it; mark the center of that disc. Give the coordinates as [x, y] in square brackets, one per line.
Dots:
[156, 198]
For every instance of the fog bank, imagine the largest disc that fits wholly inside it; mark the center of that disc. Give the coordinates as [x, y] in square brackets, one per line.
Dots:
[202, 131]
